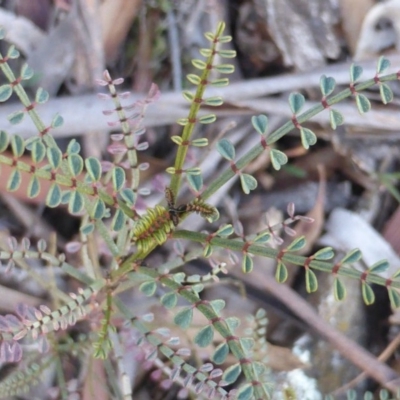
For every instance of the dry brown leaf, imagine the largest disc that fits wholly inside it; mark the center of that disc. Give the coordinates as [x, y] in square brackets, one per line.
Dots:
[352, 21]
[116, 20]
[283, 359]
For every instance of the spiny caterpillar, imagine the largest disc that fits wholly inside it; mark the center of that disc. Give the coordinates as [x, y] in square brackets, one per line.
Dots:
[158, 222]
[154, 225]
[206, 211]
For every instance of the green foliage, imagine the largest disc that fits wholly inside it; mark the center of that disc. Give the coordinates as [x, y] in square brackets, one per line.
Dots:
[106, 200]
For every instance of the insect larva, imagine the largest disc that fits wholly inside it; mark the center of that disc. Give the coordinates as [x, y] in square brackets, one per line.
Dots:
[158, 222]
[205, 210]
[155, 224]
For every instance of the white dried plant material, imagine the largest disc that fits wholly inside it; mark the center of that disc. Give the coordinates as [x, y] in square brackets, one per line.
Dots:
[380, 30]
[303, 31]
[347, 230]
[20, 31]
[53, 59]
[304, 386]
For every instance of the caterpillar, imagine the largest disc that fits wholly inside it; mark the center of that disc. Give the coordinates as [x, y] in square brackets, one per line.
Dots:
[205, 210]
[158, 222]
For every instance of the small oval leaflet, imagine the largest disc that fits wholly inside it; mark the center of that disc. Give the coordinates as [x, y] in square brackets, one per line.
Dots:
[281, 273]
[336, 118]
[169, 300]
[194, 79]
[93, 167]
[233, 323]
[278, 158]
[324, 254]
[260, 123]
[296, 102]
[184, 318]
[297, 244]
[232, 373]
[363, 104]
[33, 187]
[118, 178]
[5, 92]
[327, 85]
[367, 293]
[75, 164]
[208, 119]
[118, 220]
[76, 203]
[26, 72]
[199, 64]
[311, 281]
[339, 289]
[54, 156]
[382, 65]
[4, 140]
[247, 264]
[220, 353]
[226, 149]
[248, 183]
[220, 82]
[99, 209]
[14, 181]
[355, 72]
[385, 93]
[17, 145]
[148, 288]
[73, 147]
[42, 96]
[351, 257]
[245, 392]
[379, 266]
[218, 305]
[394, 297]
[53, 198]
[205, 336]
[308, 137]
[38, 152]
